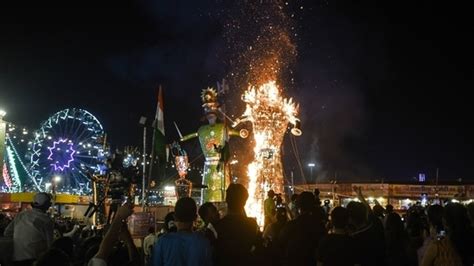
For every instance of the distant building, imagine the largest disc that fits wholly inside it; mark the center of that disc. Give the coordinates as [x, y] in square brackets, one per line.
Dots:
[400, 195]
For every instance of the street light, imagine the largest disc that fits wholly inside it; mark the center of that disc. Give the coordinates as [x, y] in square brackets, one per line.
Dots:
[311, 166]
[57, 179]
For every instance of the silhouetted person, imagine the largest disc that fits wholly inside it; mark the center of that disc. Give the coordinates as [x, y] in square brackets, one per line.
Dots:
[54, 257]
[388, 210]
[378, 211]
[338, 248]
[436, 229]
[269, 207]
[456, 248]
[416, 228]
[148, 243]
[292, 206]
[300, 238]
[273, 230]
[369, 240]
[210, 215]
[396, 241]
[65, 244]
[184, 247]
[470, 212]
[169, 225]
[32, 231]
[236, 233]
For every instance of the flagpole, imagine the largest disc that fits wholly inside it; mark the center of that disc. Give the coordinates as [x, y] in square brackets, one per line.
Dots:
[153, 140]
[152, 155]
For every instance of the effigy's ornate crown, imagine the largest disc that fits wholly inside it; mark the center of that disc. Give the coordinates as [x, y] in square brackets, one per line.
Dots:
[209, 100]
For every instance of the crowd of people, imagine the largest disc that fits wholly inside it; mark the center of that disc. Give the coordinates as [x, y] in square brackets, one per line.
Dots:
[302, 232]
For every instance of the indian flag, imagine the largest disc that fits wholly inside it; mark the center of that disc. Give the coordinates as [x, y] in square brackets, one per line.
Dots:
[159, 141]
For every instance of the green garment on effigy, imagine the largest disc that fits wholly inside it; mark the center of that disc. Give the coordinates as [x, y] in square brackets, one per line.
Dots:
[216, 174]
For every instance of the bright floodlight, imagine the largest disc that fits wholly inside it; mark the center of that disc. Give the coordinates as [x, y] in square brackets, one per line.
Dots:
[57, 179]
[2, 113]
[169, 188]
[311, 165]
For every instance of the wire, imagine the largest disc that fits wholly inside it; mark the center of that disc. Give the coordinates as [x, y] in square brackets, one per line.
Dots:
[297, 157]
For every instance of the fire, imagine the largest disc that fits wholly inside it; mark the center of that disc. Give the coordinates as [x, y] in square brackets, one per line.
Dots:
[270, 113]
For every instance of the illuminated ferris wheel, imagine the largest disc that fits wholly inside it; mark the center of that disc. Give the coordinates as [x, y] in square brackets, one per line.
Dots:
[68, 146]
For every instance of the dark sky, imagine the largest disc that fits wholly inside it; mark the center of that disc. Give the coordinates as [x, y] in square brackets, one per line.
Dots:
[383, 87]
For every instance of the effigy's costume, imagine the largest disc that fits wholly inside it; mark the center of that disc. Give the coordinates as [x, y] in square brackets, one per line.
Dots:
[183, 186]
[213, 139]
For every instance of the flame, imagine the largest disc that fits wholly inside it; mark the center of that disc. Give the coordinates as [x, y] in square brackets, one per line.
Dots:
[270, 115]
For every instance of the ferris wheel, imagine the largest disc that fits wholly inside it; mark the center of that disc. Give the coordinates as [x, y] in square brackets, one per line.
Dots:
[68, 146]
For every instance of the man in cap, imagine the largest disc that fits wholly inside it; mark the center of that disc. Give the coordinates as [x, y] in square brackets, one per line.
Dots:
[32, 231]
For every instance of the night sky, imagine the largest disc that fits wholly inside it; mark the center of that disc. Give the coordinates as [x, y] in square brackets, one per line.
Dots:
[384, 88]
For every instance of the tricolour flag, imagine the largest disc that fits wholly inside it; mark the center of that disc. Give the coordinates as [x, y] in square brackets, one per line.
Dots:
[159, 137]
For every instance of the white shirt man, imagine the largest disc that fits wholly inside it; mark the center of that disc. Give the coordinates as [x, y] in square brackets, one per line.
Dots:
[32, 230]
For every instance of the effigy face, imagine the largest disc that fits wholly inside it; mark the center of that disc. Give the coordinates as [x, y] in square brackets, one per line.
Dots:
[182, 165]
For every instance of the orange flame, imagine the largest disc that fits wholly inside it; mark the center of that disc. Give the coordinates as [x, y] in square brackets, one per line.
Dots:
[270, 115]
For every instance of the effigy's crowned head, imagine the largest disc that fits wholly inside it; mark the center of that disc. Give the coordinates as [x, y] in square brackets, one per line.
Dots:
[209, 100]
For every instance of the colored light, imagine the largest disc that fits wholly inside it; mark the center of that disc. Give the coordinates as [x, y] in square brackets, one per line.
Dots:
[70, 150]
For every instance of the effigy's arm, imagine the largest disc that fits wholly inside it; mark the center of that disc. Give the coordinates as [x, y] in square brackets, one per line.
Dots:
[189, 136]
[243, 133]
[233, 132]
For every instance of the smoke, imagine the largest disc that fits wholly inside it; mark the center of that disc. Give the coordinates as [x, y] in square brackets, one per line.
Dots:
[318, 55]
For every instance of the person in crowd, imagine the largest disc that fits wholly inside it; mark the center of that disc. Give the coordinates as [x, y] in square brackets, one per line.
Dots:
[300, 238]
[316, 193]
[269, 207]
[388, 210]
[378, 211]
[293, 211]
[278, 201]
[470, 212]
[436, 229]
[237, 235]
[148, 243]
[183, 247]
[396, 241]
[456, 247]
[367, 236]
[272, 231]
[338, 248]
[55, 257]
[32, 231]
[169, 225]
[125, 251]
[112, 236]
[4, 222]
[210, 216]
[417, 229]
[64, 244]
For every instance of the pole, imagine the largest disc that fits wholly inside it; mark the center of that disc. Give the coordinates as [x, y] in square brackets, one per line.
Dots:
[311, 173]
[153, 155]
[53, 203]
[334, 190]
[94, 200]
[292, 183]
[144, 167]
[436, 185]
